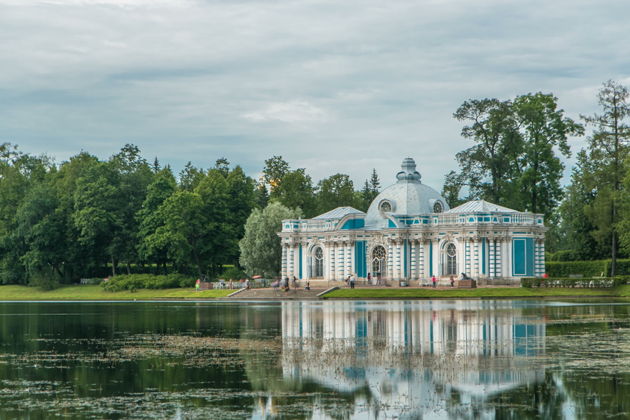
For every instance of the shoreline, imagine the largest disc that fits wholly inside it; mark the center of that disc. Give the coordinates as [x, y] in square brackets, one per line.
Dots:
[96, 294]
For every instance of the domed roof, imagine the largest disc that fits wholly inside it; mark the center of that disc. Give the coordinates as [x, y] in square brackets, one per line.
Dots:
[408, 196]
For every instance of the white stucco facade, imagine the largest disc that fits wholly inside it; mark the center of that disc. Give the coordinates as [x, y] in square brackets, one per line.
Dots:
[410, 233]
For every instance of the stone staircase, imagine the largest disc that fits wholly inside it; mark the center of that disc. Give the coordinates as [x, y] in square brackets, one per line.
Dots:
[277, 294]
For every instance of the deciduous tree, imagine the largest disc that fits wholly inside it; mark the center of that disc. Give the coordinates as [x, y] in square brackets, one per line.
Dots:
[261, 251]
[608, 145]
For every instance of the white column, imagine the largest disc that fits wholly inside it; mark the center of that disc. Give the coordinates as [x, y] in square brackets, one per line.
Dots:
[331, 275]
[436, 258]
[421, 262]
[413, 259]
[474, 255]
[390, 260]
[303, 259]
[539, 257]
[542, 257]
[344, 261]
[350, 258]
[290, 261]
[283, 268]
[498, 258]
[340, 264]
[491, 266]
[461, 256]
[398, 272]
[506, 261]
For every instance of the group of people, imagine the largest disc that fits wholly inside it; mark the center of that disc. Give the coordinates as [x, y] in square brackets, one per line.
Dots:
[221, 284]
[351, 280]
[284, 284]
[463, 276]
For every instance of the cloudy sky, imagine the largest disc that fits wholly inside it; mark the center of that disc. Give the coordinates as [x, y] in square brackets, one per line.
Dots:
[332, 86]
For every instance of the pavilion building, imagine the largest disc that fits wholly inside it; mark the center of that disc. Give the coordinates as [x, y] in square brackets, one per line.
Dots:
[409, 233]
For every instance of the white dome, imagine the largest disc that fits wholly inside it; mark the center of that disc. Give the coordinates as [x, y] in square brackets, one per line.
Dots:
[408, 196]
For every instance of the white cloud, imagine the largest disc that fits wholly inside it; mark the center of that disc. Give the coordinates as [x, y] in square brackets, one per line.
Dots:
[288, 112]
[332, 86]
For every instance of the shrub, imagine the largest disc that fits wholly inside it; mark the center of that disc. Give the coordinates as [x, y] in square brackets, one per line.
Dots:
[564, 255]
[147, 281]
[45, 279]
[586, 268]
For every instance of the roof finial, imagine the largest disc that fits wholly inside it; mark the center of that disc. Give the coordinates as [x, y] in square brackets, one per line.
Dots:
[408, 172]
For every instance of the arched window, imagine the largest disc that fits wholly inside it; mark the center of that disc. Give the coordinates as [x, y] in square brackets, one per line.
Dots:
[437, 207]
[317, 269]
[378, 261]
[451, 259]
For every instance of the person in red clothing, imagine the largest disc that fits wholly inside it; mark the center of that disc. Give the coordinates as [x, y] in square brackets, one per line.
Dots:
[434, 280]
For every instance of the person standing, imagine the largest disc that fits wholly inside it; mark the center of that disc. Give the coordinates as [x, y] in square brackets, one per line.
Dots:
[352, 280]
[434, 280]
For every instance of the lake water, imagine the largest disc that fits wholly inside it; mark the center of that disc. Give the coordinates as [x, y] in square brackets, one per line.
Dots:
[323, 360]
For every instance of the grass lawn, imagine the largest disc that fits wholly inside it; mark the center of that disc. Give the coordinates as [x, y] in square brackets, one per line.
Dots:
[97, 293]
[413, 293]
[623, 291]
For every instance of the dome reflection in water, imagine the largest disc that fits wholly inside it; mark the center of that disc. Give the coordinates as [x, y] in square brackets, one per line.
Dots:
[410, 360]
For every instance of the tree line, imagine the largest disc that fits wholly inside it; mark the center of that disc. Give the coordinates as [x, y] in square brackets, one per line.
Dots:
[91, 218]
[515, 161]
[88, 217]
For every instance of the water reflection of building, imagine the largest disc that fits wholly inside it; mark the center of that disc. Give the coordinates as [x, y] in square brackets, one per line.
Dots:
[412, 356]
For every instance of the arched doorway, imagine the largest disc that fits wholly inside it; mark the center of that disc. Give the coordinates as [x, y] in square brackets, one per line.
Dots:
[379, 259]
[317, 268]
[449, 261]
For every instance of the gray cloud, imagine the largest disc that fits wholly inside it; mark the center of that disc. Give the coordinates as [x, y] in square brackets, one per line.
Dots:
[332, 86]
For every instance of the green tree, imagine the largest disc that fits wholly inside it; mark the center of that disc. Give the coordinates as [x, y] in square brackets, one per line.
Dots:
[184, 230]
[241, 193]
[223, 166]
[452, 188]
[542, 127]
[261, 196]
[576, 229]
[151, 246]
[133, 174]
[489, 167]
[275, 169]
[261, 251]
[41, 227]
[79, 260]
[216, 231]
[296, 190]
[370, 190]
[608, 146]
[190, 177]
[19, 172]
[96, 215]
[624, 224]
[335, 191]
